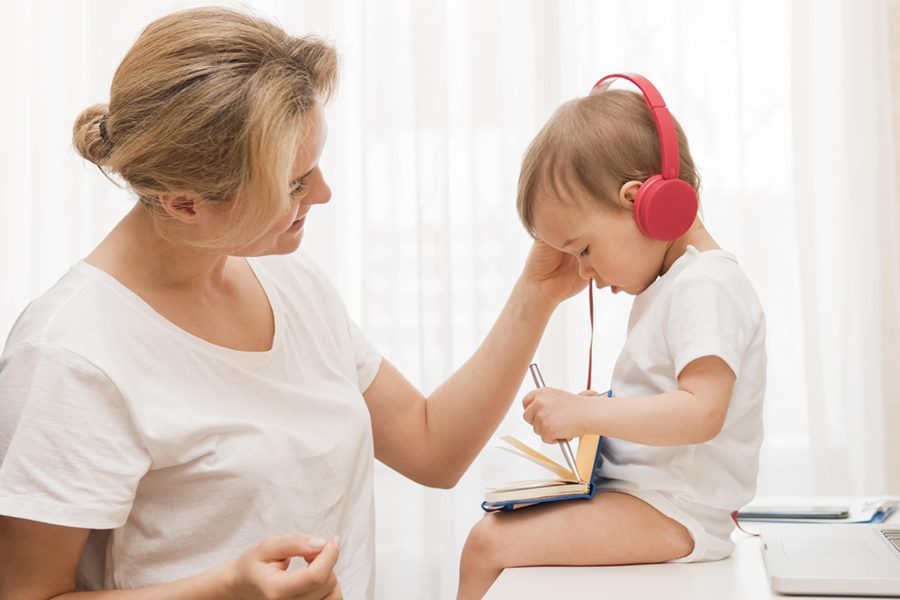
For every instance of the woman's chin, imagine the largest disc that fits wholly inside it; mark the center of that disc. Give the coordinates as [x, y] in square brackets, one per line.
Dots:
[288, 243]
[285, 243]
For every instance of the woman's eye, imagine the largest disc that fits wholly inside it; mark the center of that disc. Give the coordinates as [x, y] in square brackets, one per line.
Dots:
[298, 188]
[586, 251]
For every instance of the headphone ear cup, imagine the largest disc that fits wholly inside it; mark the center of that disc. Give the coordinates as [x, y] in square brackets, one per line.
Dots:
[665, 209]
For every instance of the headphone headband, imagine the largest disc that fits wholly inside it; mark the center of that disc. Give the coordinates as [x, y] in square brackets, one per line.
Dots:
[665, 127]
[664, 206]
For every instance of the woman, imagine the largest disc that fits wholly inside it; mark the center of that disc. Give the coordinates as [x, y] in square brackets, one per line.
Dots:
[190, 407]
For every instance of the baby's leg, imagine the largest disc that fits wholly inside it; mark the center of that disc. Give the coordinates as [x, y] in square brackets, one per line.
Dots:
[610, 529]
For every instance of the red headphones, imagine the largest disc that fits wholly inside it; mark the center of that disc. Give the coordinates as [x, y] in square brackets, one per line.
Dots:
[665, 206]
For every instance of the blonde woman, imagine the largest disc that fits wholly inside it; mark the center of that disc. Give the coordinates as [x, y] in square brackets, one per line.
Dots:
[189, 411]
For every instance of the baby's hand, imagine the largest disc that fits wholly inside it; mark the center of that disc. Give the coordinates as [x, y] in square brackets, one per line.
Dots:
[555, 414]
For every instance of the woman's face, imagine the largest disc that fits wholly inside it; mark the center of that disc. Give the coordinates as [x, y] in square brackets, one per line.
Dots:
[308, 187]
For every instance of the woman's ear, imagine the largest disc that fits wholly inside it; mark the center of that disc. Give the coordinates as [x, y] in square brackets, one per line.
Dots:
[627, 194]
[183, 207]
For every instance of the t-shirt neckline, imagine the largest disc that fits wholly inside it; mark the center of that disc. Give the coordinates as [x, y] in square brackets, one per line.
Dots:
[690, 253]
[245, 357]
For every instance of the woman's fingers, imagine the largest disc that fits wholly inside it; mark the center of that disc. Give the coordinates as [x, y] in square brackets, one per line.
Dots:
[263, 572]
[335, 594]
[325, 561]
[286, 547]
[318, 579]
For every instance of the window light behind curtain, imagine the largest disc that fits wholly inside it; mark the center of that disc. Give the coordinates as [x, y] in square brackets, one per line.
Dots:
[437, 103]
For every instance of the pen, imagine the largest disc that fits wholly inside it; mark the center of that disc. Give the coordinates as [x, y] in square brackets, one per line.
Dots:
[563, 444]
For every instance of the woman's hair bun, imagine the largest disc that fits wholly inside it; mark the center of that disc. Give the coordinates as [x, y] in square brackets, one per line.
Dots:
[90, 136]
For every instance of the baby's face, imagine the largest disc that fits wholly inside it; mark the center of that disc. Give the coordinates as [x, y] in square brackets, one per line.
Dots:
[605, 241]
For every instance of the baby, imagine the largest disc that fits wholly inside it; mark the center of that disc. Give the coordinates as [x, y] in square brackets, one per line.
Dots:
[609, 182]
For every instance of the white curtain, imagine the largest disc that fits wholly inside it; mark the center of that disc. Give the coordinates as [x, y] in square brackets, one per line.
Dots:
[788, 112]
[845, 198]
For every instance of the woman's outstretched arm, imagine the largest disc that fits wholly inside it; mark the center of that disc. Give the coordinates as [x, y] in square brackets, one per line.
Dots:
[434, 440]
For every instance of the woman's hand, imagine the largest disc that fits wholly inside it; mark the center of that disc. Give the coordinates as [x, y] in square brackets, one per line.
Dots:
[261, 571]
[556, 414]
[553, 273]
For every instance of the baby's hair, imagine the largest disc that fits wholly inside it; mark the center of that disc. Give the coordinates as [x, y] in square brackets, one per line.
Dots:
[210, 101]
[595, 144]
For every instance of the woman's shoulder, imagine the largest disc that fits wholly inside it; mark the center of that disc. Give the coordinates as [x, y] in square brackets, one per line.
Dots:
[81, 306]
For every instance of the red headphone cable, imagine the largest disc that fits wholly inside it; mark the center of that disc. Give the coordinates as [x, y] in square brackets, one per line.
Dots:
[591, 348]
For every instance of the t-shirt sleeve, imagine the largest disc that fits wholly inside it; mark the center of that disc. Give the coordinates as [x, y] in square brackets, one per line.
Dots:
[69, 452]
[707, 317]
[368, 358]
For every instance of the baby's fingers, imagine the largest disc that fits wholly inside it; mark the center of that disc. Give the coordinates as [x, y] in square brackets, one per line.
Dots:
[529, 414]
[529, 398]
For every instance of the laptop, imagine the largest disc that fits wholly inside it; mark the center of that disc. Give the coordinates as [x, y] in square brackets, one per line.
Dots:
[836, 560]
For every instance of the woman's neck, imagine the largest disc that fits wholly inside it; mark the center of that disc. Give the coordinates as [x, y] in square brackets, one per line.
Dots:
[136, 253]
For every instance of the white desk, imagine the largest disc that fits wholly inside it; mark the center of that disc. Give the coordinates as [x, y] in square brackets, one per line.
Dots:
[740, 577]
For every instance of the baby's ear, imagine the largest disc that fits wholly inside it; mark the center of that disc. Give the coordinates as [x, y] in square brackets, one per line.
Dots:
[628, 192]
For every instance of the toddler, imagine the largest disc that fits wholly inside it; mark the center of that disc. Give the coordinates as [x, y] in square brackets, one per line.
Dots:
[609, 181]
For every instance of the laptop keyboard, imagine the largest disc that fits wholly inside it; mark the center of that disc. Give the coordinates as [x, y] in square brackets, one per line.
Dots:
[893, 536]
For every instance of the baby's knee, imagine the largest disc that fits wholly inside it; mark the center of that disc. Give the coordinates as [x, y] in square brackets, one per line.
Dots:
[483, 548]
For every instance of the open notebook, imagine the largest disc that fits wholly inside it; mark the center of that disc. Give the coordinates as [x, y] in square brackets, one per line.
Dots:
[564, 487]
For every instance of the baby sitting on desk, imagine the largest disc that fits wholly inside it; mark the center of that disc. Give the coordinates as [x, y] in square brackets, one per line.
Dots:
[609, 183]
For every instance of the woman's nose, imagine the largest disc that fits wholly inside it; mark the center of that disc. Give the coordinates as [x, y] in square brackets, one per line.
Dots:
[322, 192]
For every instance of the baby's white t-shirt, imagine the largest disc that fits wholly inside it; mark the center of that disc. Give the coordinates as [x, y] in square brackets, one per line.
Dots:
[704, 305]
[180, 454]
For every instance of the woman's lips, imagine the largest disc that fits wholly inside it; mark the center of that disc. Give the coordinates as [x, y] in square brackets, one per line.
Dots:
[298, 223]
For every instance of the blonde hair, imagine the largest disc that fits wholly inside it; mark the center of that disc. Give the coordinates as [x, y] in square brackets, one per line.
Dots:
[210, 101]
[595, 144]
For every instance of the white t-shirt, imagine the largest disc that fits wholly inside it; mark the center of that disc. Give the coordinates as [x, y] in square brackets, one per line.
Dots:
[113, 418]
[704, 305]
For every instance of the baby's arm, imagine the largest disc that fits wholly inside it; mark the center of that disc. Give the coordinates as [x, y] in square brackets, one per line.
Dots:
[692, 414]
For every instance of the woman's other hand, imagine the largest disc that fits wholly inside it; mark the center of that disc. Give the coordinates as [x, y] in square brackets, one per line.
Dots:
[261, 572]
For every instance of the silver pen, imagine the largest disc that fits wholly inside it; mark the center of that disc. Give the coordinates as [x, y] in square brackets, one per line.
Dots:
[563, 444]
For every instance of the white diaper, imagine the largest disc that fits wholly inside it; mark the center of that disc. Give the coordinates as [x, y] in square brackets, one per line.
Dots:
[710, 528]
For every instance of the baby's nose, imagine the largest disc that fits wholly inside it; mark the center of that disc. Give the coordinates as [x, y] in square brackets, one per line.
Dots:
[585, 271]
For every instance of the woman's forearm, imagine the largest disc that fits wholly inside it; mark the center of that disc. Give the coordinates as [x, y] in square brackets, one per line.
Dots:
[463, 413]
[209, 585]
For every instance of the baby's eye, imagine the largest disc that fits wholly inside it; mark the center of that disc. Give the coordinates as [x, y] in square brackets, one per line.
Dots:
[586, 251]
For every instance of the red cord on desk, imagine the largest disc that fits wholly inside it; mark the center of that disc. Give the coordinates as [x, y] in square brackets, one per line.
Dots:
[734, 517]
